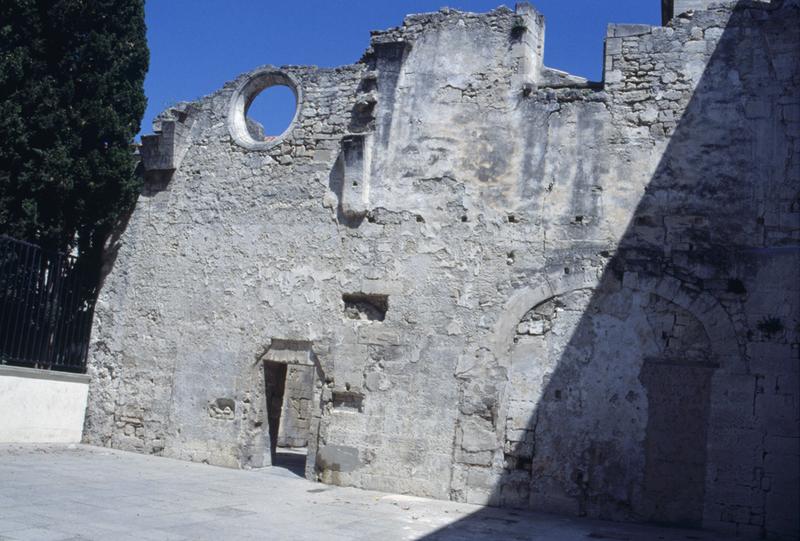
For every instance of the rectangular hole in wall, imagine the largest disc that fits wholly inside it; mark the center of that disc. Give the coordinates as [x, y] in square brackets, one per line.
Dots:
[289, 399]
[366, 307]
[348, 401]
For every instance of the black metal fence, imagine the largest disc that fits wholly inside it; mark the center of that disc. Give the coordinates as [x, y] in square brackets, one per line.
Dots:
[45, 318]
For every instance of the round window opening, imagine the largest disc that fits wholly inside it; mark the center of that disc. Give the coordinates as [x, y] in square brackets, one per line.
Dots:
[263, 109]
[271, 113]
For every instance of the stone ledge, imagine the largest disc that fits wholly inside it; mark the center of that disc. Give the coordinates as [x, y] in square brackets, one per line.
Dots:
[36, 373]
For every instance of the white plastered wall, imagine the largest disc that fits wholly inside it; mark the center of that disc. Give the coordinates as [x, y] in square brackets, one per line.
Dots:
[41, 406]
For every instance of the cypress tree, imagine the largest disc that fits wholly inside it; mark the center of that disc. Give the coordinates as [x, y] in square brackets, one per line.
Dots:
[71, 100]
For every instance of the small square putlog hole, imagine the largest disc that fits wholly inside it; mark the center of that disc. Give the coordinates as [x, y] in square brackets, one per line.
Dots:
[348, 401]
[366, 307]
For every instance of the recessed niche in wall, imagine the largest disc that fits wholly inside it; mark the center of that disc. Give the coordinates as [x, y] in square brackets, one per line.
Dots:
[368, 307]
[348, 401]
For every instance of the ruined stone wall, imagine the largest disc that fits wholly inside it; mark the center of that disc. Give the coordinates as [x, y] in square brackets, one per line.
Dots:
[516, 287]
[295, 421]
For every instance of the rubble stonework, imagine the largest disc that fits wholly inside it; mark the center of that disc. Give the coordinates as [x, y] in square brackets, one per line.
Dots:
[511, 286]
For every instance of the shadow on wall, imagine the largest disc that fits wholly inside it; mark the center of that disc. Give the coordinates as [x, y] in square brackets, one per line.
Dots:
[668, 392]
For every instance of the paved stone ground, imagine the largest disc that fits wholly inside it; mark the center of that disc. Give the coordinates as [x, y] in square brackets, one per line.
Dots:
[79, 492]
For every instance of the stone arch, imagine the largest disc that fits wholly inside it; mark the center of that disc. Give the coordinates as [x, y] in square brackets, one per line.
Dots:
[703, 306]
[719, 336]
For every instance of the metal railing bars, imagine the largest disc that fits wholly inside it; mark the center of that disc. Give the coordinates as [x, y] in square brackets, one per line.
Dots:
[45, 308]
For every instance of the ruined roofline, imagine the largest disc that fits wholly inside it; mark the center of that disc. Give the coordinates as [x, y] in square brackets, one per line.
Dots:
[377, 37]
[523, 28]
[672, 9]
[414, 20]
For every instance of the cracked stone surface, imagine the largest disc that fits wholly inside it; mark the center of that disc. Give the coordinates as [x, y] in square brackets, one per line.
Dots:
[515, 287]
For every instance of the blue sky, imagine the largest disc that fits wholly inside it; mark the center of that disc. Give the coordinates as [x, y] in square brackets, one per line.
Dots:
[198, 45]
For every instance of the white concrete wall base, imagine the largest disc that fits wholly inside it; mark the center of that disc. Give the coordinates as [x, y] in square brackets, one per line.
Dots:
[41, 406]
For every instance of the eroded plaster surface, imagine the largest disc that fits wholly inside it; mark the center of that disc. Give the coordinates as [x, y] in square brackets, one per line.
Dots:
[511, 286]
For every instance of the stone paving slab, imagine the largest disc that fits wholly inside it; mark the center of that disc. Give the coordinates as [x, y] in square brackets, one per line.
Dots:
[81, 493]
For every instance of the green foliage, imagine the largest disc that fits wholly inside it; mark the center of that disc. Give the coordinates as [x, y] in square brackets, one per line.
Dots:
[71, 100]
[770, 325]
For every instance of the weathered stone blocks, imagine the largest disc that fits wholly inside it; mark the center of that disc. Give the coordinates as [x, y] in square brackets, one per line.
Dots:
[508, 285]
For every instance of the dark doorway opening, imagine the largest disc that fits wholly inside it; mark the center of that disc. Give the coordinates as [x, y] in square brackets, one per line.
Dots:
[289, 389]
[679, 401]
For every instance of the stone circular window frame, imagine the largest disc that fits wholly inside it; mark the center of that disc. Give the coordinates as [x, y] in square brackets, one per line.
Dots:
[244, 95]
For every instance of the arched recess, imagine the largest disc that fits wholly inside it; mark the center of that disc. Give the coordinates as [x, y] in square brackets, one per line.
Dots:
[718, 335]
[703, 306]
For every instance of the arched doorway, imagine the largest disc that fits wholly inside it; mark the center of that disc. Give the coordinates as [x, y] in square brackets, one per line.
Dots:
[608, 397]
[607, 408]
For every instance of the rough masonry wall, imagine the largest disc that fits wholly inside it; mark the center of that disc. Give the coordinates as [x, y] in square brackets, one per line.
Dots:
[297, 407]
[515, 287]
